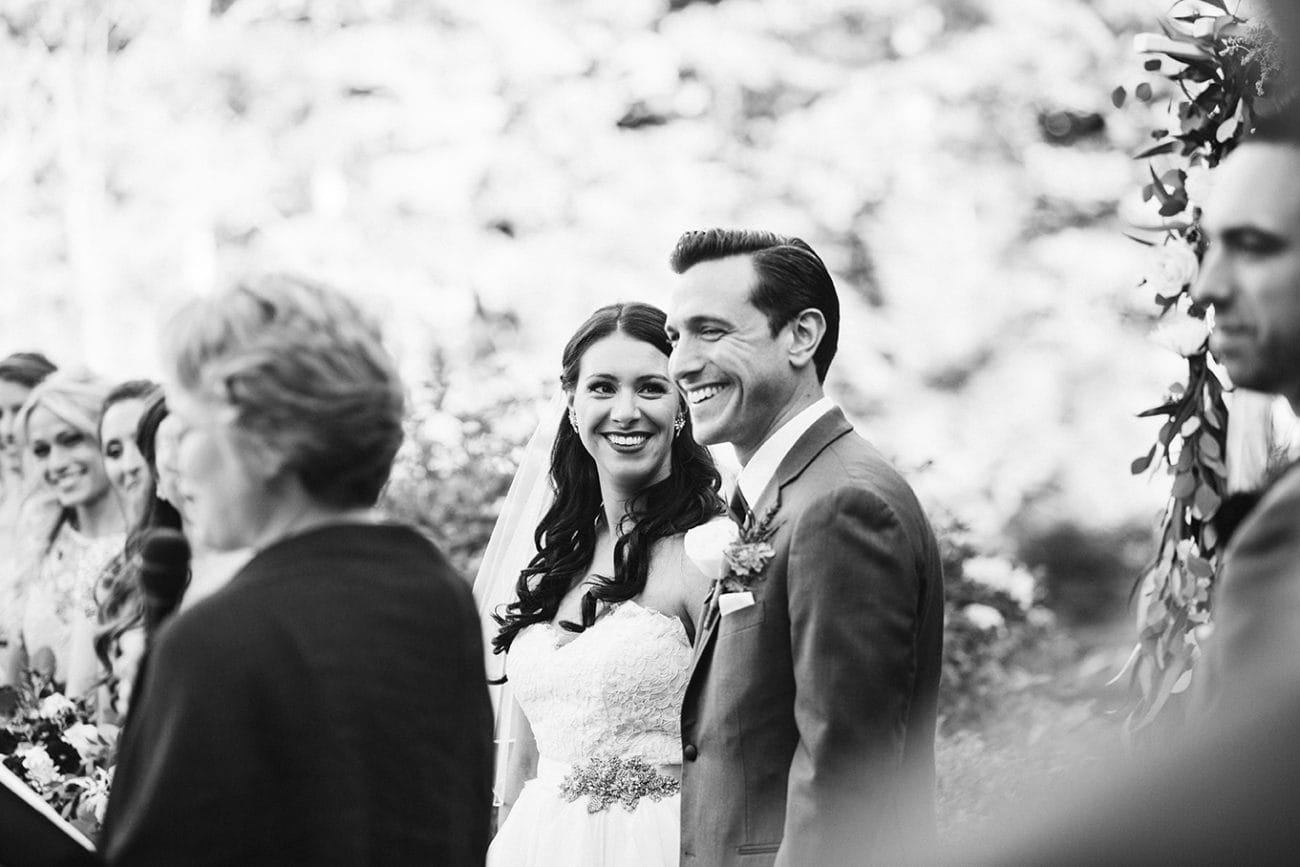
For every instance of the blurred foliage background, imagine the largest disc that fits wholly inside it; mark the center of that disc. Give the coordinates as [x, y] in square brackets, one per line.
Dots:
[486, 174]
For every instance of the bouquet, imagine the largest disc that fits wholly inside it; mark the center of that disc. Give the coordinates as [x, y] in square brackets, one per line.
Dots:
[55, 746]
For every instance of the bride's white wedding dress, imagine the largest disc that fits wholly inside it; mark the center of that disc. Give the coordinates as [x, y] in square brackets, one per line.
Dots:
[612, 692]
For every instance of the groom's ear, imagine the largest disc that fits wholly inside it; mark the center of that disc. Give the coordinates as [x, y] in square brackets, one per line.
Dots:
[806, 332]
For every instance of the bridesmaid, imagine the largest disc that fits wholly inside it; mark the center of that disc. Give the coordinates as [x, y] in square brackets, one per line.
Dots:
[54, 600]
[119, 632]
[19, 374]
[118, 423]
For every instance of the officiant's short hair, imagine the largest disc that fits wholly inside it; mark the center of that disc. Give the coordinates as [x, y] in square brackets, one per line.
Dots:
[307, 372]
[791, 278]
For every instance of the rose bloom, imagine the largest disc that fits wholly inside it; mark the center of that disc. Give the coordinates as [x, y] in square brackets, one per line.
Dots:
[707, 545]
[84, 738]
[56, 704]
[1175, 267]
[1181, 332]
[40, 766]
[1198, 184]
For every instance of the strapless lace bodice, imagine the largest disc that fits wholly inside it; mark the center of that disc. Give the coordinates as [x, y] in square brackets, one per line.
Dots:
[615, 689]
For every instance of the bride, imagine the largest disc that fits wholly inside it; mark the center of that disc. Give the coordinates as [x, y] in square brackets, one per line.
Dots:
[599, 631]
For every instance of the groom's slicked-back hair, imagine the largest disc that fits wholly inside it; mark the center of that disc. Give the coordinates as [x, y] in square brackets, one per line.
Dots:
[791, 278]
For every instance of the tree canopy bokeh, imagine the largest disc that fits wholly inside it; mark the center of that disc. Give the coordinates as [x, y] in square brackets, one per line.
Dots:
[485, 174]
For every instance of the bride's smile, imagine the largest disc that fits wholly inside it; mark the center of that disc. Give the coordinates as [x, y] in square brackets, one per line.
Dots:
[624, 408]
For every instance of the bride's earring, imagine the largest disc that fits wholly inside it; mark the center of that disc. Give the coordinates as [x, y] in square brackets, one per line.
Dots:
[679, 423]
[573, 420]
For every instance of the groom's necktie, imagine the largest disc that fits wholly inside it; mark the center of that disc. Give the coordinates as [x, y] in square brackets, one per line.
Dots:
[738, 508]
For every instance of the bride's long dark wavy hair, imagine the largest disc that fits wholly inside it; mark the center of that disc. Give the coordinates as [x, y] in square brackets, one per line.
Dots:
[566, 536]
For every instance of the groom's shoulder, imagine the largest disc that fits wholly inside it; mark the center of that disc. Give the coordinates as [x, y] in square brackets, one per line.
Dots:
[850, 461]
[850, 466]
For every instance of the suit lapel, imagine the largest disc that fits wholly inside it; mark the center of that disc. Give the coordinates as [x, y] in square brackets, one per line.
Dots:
[815, 440]
[709, 618]
[824, 431]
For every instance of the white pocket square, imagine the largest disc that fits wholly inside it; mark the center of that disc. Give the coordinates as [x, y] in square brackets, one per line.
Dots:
[730, 603]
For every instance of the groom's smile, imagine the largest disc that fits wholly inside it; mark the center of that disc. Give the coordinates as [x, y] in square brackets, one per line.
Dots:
[699, 395]
[726, 359]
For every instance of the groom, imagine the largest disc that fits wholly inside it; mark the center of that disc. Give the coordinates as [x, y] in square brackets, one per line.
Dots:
[808, 722]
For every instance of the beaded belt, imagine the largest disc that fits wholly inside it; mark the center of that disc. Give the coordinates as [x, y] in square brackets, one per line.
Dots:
[607, 780]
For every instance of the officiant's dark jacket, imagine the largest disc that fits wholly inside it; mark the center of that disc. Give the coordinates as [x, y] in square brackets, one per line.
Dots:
[808, 723]
[328, 707]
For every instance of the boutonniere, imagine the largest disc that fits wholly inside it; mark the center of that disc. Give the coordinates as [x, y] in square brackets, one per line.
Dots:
[733, 556]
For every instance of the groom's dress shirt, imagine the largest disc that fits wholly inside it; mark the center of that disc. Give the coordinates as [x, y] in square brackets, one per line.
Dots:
[762, 466]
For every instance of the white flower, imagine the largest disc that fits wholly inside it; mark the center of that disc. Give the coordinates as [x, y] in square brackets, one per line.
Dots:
[707, 545]
[1181, 332]
[40, 767]
[55, 705]
[1199, 183]
[95, 800]
[983, 616]
[84, 738]
[1175, 266]
[1001, 574]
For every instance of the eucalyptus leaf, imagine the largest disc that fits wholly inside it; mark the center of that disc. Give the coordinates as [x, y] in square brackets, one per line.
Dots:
[1140, 465]
[1207, 501]
[1157, 150]
[1200, 567]
[1209, 445]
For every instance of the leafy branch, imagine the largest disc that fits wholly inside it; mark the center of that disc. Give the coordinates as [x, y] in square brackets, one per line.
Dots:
[1216, 68]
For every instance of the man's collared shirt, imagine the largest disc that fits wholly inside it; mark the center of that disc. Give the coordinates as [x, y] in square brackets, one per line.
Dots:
[756, 474]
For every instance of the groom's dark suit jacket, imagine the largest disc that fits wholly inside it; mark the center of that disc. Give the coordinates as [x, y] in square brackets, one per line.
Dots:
[808, 724]
[327, 707]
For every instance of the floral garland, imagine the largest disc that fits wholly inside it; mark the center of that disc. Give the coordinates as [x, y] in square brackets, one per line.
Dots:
[53, 744]
[1220, 67]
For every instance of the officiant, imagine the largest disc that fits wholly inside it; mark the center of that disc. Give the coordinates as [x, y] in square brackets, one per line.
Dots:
[328, 706]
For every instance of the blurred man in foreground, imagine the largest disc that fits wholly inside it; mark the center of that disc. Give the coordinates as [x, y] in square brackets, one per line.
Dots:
[1251, 275]
[1229, 792]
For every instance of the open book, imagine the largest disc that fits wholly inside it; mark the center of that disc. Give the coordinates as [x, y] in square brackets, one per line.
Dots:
[33, 835]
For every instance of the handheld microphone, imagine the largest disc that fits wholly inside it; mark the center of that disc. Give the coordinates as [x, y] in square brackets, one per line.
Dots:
[164, 573]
